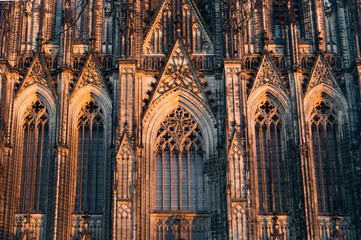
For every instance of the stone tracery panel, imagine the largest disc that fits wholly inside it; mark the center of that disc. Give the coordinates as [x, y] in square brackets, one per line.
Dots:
[180, 227]
[237, 171]
[239, 229]
[124, 214]
[124, 170]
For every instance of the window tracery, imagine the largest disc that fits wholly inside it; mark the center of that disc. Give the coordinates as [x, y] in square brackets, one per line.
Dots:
[36, 147]
[124, 173]
[90, 157]
[179, 163]
[325, 148]
[270, 166]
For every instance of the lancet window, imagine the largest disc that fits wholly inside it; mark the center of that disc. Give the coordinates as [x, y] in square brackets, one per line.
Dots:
[90, 159]
[179, 163]
[270, 164]
[325, 149]
[36, 147]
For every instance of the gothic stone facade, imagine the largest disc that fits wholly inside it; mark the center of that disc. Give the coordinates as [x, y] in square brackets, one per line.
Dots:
[180, 119]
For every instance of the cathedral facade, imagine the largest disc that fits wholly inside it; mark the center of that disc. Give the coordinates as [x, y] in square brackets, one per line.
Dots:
[180, 119]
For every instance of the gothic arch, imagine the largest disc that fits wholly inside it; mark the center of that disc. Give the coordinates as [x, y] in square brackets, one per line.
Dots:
[332, 96]
[159, 109]
[34, 121]
[326, 116]
[29, 94]
[79, 100]
[155, 115]
[278, 96]
[279, 103]
[23, 100]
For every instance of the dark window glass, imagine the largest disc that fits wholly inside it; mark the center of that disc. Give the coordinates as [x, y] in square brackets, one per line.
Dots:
[89, 184]
[34, 176]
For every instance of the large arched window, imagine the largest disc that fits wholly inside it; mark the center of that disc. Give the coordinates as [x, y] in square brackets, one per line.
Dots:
[36, 148]
[179, 163]
[270, 164]
[90, 156]
[325, 149]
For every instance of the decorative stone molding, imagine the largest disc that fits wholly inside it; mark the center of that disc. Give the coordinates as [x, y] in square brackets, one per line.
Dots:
[267, 74]
[91, 224]
[30, 226]
[335, 227]
[273, 227]
[239, 227]
[179, 225]
[124, 221]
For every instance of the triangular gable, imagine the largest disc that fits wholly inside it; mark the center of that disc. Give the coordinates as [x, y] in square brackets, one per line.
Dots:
[235, 143]
[37, 74]
[322, 74]
[179, 72]
[148, 46]
[267, 74]
[90, 74]
[125, 145]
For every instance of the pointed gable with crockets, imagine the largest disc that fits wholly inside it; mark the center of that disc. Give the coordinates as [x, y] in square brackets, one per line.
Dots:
[162, 30]
[90, 74]
[37, 74]
[322, 74]
[179, 73]
[267, 74]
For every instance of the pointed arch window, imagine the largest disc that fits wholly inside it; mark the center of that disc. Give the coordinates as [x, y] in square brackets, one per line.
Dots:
[270, 164]
[179, 163]
[36, 148]
[90, 157]
[325, 149]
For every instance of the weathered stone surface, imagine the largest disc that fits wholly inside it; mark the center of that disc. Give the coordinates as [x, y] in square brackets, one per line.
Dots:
[193, 119]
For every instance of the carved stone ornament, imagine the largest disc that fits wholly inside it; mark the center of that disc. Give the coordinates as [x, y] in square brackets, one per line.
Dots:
[267, 74]
[177, 74]
[36, 75]
[321, 74]
[90, 75]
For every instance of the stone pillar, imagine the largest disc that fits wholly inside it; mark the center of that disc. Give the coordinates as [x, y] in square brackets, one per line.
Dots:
[62, 197]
